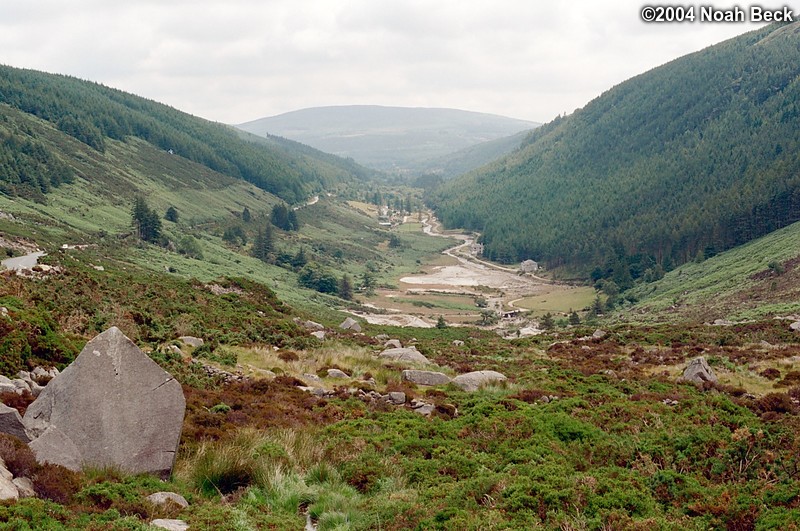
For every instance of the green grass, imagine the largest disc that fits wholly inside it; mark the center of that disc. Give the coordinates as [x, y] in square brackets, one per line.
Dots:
[560, 300]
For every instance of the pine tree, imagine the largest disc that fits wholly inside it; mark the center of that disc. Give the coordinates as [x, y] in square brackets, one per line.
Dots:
[145, 221]
[246, 215]
[263, 243]
[171, 214]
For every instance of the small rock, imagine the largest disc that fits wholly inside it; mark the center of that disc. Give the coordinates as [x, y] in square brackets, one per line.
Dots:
[5, 380]
[472, 381]
[23, 375]
[699, 371]
[336, 373]
[599, 334]
[795, 326]
[163, 498]
[381, 337]
[192, 341]
[393, 343]
[458, 343]
[319, 334]
[99, 268]
[175, 349]
[170, 524]
[404, 354]
[10, 388]
[425, 377]
[311, 325]
[350, 324]
[311, 378]
[25, 487]
[11, 423]
[4, 472]
[3, 311]
[425, 409]
[721, 322]
[19, 383]
[8, 491]
[397, 398]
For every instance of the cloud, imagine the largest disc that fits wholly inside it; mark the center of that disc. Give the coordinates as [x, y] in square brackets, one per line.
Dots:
[238, 60]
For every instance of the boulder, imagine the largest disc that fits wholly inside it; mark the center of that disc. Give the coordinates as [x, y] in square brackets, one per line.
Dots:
[10, 388]
[397, 398]
[5, 380]
[472, 381]
[191, 341]
[170, 524]
[8, 491]
[458, 343]
[699, 371]
[393, 343]
[319, 334]
[795, 326]
[4, 472]
[112, 406]
[599, 334]
[163, 498]
[21, 384]
[311, 325]
[336, 373]
[350, 324]
[11, 423]
[425, 377]
[24, 487]
[411, 355]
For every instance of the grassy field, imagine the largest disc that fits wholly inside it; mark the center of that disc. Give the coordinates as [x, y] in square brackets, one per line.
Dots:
[560, 300]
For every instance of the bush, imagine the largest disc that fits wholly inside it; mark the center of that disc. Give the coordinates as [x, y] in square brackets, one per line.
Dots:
[56, 483]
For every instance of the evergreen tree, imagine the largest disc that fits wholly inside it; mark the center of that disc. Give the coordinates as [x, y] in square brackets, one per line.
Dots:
[441, 324]
[146, 222]
[280, 216]
[345, 288]
[292, 221]
[263, 243]
[368, 282]
[246, 215]
[574, 319]
[171, 214]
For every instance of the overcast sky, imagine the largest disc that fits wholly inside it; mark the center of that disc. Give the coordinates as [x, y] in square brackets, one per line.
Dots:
[237, 60]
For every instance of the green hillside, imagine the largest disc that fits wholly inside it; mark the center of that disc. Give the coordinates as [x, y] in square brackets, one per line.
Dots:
[95, 114]
[697, 156]
[472, 157]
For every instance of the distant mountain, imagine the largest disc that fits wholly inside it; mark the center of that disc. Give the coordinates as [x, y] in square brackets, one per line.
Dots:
[95, 115]
[689, 159]
[388, 138]
[472, 157]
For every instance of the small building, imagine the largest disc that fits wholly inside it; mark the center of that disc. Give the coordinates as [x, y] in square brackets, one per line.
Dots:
[529, 266]
[476, 249]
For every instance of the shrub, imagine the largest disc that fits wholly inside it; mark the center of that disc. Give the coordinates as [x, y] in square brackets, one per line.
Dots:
[56, 483]
[19, 459]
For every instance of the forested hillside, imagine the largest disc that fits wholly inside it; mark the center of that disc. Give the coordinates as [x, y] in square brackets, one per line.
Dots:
[689, 159]
[93, 113]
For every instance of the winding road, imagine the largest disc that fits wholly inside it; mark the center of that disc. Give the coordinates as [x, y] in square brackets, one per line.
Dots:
[23, 262]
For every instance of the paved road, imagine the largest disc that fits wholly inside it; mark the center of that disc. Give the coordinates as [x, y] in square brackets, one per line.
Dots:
[23, 262]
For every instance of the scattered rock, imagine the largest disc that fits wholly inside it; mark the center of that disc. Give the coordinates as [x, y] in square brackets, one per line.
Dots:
[112, 406]
[397, 398]
[699, 371]
[422, 408]
[8, 491]
[425, 377]
[170, 524]
[336, 373]
[11, 423]
[795, 326]
[722, 322]
[163, 498]
[175, 349]
[3, 311]
[9, 388]
[21, 384]
[192, 341]
[4, 472]
[319, 334]
[311, 325]
[472, 381]
[458, 343]
[599, 334]
[381, 337]
[308, 377]
[393, 343]
[404, 354]
[24, 487]
[350, 324]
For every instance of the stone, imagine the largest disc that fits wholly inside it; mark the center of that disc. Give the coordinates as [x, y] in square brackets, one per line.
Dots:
[54, 446]
[114, 405]
[4, 472]
[699, 371]
[39, 373]
[472, 381]
[24, 487]
[722, 322]
[21, 384]
[458, 343]
[11, 423]
[311, 325]
[5, 380]
[393, 343]
[336, 373]
[599, 334]
[10, 388]
[795, 326]
[163, 498]
[3, 311]
[8, 491]
[308, 377]
[175, 349]
[397, 398]
[170, 524]
[425, 377]
[319, 334]
[381, 337]
[350, 324]
[411, 355]
[191, 341]
[425, 409]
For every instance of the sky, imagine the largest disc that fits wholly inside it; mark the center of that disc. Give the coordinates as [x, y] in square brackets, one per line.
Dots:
[234, 61]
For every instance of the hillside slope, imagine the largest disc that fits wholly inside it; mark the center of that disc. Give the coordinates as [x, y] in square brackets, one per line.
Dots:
[697, 156]
[388, 138]
[95, 114]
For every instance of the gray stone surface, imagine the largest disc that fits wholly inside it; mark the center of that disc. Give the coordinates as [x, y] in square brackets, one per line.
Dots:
[411, 355]
[115, 405]
[699, 371]
[11, 423]
[319, 334]
[25, 487]
[458, 343]
[192, 341]
[10, 388]
[8, 491]
[425, 377]
[162, 498]
[472, 381]
[795, 326]
[4, 472]
[397, 398]
[21, 384]
[336, 373]
[350, 324]
[54, 446]
[170, 524]
[311, 325]
[393, 343]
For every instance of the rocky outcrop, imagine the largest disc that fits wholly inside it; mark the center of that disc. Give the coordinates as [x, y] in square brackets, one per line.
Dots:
[191, 341]
[393, 343]
[408, 355]
[425, 377]
[113, 406]
[698, 371]
[472, 381]
[11, 423]
[336, 373]
[319, 334]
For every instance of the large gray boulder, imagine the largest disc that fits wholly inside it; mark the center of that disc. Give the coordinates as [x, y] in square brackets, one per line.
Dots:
[11, 423]
[408, 355]
[425, 377]
[113, 406]
[699, 371]
[350, 324]
[472, 381]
